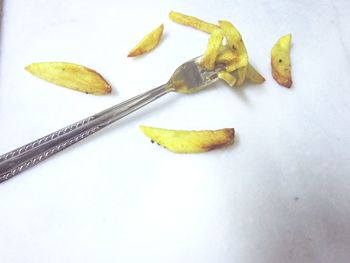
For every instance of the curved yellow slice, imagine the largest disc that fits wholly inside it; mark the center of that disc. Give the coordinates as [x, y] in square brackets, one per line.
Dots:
[182, 141]
[226, 56]
[232, 54]
[72, 76]
[233, 37]
[280, 61]
[212, 51]
[253, 75]
[235, 42]
[227, 77]
[148, 43]
[192, 21]
[231, 59]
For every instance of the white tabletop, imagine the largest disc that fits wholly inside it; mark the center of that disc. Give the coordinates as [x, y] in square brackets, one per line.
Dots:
[281, 193]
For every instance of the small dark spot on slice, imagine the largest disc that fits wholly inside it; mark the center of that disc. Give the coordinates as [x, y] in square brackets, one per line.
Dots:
[152, 141]
[280, 60]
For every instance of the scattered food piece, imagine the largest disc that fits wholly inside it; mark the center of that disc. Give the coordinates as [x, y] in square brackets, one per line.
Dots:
[280, 61]
[148, 43]
[192, 21]
[183, 141]
[72, 76]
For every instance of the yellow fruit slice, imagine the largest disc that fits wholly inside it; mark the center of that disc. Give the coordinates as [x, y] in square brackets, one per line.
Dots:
[192, 21]
[233, 36]
[183, 141]
[72, 76]
[280, 61]
[226, 56]
[148, 43]
[227, 77]
[235, 42]
[213, 48]
[253, 75]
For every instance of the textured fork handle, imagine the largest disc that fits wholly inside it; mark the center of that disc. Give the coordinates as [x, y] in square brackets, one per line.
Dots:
[22, 158]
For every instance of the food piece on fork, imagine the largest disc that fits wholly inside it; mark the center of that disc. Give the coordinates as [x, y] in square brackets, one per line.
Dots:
[225, 47]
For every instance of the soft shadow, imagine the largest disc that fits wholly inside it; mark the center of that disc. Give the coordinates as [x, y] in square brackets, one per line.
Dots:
[240, 92]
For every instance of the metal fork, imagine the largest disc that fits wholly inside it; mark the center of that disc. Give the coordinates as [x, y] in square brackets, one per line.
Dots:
[188, 78]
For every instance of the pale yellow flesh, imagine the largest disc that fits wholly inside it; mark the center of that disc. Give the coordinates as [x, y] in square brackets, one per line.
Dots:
[148, 43]
[227, 77]
[212, 51]
[235, 41]
[233, 55]
[72, 76]
[227, 56]
[231, 58]
[192, 21]
[253, 75]
[183, 141]
[233, 37]
[280, 61]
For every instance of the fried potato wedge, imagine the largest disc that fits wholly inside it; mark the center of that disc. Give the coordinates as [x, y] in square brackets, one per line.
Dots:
[231, 59]
[232, 35]
[227, 77]
[226, 56]
[253, 75]
[183, 141]
[192, 21]
[235, 42]
[209, 57]
[228, 50]
[148, 43]
[72, 76]
[280, 61]
[236, 63]
[241, 75]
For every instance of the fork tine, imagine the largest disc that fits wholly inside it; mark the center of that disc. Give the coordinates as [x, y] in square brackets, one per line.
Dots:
[190, 77]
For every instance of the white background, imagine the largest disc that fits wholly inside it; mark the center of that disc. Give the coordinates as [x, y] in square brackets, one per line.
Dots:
[281, 193]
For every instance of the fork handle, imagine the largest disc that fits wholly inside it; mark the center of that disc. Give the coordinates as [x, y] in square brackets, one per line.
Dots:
[22, 158]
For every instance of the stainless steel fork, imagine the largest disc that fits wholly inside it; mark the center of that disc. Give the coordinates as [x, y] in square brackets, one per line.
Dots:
[188, 78]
